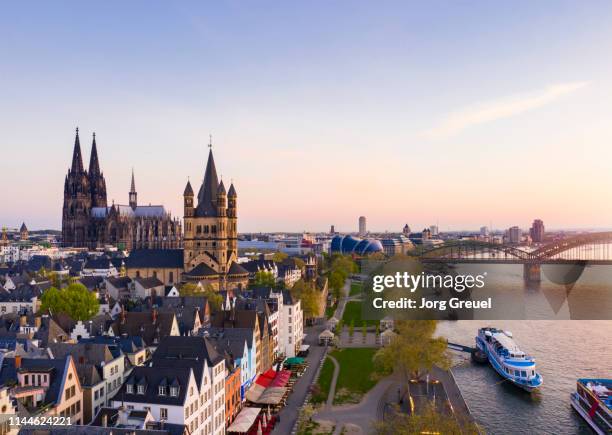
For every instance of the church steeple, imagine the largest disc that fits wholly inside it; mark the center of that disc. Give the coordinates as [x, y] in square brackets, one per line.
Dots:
[133, 194]
[77, 158]
[94, 164]
[207, 195]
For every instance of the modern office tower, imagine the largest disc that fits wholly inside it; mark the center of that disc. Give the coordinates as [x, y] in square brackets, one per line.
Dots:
[514, 235]
[362, 226]
[537, 231]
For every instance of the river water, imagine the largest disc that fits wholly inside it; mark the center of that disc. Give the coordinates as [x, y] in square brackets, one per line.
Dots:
[564, 350]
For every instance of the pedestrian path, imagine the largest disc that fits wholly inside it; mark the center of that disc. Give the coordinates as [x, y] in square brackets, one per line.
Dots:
[334, 381]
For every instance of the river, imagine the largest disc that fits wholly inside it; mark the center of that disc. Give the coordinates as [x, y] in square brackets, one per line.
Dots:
[564, 350]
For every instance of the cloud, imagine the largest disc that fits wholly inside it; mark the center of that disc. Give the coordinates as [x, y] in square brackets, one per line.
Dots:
[499, 109]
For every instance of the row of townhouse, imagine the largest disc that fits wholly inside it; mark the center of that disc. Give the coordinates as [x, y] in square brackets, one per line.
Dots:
[184, 383]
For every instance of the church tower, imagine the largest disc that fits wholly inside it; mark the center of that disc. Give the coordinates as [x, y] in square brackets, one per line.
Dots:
[209, 225]
[77, 200]
[96, 178]
[133, 194]
[232, 220]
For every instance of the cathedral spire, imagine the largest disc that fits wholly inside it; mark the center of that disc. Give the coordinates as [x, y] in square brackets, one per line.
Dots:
[133, 194]
[77, 159]
[94, 165]
[133, 187]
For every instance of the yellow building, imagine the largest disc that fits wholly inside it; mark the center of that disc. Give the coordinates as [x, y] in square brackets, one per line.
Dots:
[211, 233]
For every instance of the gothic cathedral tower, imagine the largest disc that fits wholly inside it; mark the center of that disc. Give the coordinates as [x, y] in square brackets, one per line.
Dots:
[96, 178]
[210, 240]
[77, 201]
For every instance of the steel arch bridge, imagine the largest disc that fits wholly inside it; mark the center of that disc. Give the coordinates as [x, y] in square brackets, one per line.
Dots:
[596, 248]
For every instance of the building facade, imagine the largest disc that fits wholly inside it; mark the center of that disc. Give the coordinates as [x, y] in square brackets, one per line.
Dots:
[88, 221]
[211, 233]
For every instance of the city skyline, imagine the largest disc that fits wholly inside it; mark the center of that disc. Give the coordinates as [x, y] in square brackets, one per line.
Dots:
[362, 110]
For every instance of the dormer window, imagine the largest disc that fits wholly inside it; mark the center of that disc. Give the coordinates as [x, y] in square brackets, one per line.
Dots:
[174, 391]
[140, 389]
[129, 388]
[163, 390]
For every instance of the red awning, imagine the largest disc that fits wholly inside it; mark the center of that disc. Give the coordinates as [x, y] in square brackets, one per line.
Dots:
[281, 379]
[266, 378]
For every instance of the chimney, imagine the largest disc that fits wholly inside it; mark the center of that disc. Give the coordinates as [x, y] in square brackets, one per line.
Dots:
[37, 322]
[17, 361]
[154, 315]
[104, 420]
[122, 316]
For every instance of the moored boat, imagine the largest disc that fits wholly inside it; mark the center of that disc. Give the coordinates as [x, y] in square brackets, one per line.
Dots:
[593, 401]
[507, 359]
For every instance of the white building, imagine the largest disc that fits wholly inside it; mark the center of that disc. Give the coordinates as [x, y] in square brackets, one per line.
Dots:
[185, 384]
[290, 324]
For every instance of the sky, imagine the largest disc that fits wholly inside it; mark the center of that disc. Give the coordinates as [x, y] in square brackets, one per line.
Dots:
[461, 113]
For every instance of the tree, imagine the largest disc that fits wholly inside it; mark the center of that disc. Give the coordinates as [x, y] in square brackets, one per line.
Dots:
[336, 282]
[299, 262]
[339, 327]
[309, 296]
[427, 420]
[215, 300]
[190, 289]
[413, 350]
[278, 257]
[264, 279]
[74, 300]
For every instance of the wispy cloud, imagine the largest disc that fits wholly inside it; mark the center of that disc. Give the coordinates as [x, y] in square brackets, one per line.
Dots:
[501, 108]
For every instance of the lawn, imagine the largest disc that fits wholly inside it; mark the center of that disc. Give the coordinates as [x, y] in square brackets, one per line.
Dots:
[356, 289]
[330, 310]
[352, 312]
[321, 391]
[355, 377]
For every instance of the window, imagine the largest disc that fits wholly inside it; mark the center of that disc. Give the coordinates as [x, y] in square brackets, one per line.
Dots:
[162, 390]
[171, 277]
[141, 389]
[155, 274]
[174, 391]
[129, 388]
[26, 379]
[163, 413]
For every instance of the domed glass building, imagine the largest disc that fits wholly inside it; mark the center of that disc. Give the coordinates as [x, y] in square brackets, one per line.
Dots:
[353, 245]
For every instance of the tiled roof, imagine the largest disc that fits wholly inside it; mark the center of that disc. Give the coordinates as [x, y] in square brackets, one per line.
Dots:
[152, 378]
[202, 270]
[161, 258]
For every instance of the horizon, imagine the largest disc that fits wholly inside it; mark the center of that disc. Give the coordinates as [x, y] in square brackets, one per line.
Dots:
[405, 114]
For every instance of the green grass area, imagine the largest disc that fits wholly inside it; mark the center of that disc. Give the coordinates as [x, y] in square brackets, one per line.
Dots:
[356, 289]
[322, 385]
[330, 310]
[356, 374]
[352, 312]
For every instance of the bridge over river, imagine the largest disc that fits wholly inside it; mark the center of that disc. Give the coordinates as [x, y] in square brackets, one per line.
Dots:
[588, 248]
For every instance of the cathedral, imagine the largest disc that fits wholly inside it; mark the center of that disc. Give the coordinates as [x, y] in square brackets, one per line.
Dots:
[88, 221]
